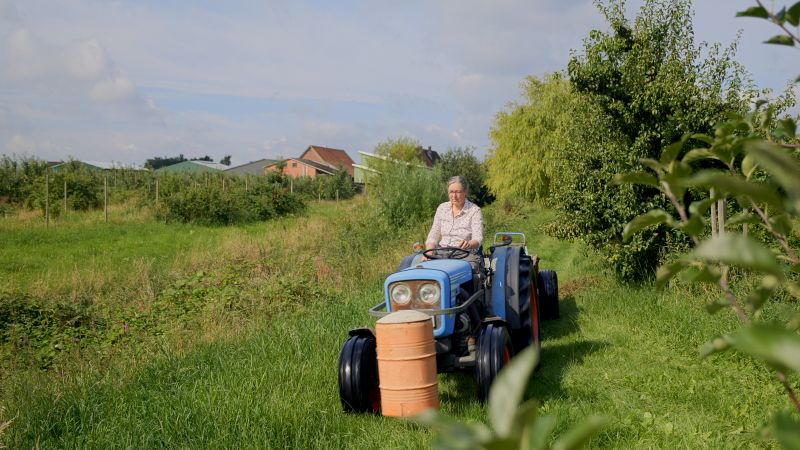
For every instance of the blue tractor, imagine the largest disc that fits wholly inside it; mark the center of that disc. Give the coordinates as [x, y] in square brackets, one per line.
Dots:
[482, 314]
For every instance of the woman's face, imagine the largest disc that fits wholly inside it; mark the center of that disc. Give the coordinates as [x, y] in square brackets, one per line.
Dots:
[456, 193]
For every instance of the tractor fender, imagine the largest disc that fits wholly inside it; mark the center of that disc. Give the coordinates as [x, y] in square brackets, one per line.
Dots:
[495, 320]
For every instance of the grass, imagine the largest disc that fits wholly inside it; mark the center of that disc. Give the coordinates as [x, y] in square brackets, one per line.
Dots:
[265, 377]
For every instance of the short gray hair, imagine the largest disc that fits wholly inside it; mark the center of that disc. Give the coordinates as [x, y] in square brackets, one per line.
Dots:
[460, 180]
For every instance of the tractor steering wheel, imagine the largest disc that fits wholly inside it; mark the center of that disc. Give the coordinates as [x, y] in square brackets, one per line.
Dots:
[446, 253]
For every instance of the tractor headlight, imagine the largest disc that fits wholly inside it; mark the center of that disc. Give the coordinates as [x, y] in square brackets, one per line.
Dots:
[429, 293]
[401, 294]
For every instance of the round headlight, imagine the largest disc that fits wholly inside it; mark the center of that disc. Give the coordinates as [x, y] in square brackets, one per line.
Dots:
[401, 294]
[429, 293]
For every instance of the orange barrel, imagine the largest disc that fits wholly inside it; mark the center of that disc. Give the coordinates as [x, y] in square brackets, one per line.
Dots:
[406, 363]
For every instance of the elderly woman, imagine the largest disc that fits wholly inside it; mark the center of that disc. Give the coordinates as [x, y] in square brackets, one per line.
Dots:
[458, 222]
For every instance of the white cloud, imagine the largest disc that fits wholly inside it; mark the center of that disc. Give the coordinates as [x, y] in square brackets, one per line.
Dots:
[113, 89]
[86, 60]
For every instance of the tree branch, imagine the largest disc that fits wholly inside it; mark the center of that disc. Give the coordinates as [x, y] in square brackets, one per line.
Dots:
[778, 237]
[774, 19]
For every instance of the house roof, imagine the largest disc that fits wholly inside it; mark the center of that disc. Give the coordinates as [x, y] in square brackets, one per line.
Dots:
[104, 165]
[252, 168]
[194, 166]
[334, 157]
[319, 166]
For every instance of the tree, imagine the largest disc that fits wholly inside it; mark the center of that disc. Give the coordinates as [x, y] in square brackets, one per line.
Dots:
[650, 85]
[226, 160]
[461, 161]
[158, 162]
[527, 139]
[401, 149]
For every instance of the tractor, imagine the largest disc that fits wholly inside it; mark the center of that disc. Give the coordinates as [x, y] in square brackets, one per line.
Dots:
[483, 314]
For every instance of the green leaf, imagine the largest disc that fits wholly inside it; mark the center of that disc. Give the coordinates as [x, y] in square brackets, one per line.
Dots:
[580, 434]
[507, 391]
[781, 223]
[748, 166]
[715, 307]
[786, 428]
[540, 431]
[715, 345]
[742, 217]
[648, 219]
[653, 164]
[780, 39]
[705, 274]
[739, 250]
[780, 16]
[671, 151]
[697, 154]
[701, 207]
[754, 11]
[736, 185]
[667, 272]
[525, 417]
[453, 434]
[694, 226]
[778, 347]
[786, 129]
[761, 293]
[781, 165]
[704, 138]
[793, 14]
[646, 178]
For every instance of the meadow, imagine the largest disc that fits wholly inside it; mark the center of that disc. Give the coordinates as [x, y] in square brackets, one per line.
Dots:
[228, 337]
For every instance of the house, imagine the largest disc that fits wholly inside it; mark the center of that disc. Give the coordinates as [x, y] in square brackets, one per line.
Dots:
[251, 168]
[316, 160]
[298, 167]
[95, 165]
[194, 166]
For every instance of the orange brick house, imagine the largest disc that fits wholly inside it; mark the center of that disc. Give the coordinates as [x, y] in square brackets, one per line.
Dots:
[316, 160]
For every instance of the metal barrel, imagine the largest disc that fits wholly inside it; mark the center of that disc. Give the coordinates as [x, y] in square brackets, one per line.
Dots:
[406, 364]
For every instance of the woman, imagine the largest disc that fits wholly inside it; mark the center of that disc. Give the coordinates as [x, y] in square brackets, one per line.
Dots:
[458, 222]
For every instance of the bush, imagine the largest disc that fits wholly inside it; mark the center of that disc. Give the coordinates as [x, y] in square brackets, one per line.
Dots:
[405, 195]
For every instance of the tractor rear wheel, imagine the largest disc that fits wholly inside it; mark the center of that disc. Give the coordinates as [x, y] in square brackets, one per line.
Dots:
[358, 375]
[549, 294]
[528, 332]
[493, 353]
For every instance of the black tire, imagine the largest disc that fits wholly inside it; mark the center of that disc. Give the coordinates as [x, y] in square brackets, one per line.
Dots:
[358, 375]
[528, 331]
[493, 353]
[549, 294]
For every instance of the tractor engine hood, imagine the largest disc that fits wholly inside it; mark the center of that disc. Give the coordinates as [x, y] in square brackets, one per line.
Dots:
[449, 272]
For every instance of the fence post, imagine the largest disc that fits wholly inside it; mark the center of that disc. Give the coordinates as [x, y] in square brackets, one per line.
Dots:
[105, 198]
[337, 195]
[721, 217]
[65, 195]
[291, 185]
[46, 197]
[223, 185]
[156, 191]
[245, 182]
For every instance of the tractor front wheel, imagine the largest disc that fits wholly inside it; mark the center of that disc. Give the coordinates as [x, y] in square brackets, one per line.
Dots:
[358, 375]
[493, 353]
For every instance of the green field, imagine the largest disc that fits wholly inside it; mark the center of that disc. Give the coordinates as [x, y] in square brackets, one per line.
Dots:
[235, 332]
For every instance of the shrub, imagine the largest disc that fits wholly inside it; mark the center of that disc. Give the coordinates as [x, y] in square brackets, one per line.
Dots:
[405, 195]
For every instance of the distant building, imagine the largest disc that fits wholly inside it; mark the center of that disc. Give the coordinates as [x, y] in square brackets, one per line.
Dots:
[296, 167]
[194, 166]
[251, 168]
[316, 160]
[96, 165]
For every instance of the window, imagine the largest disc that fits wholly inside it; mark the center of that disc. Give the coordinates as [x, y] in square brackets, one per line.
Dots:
[294, 164]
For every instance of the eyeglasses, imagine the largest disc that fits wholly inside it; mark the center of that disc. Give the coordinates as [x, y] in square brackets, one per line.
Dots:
[455, 192]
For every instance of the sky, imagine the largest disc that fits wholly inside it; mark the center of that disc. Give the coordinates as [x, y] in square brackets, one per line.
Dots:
[124, 81]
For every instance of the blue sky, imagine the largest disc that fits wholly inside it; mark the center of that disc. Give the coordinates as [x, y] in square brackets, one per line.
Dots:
[129, 80]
